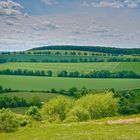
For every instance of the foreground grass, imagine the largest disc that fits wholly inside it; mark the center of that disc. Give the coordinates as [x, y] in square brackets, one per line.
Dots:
[76, 131]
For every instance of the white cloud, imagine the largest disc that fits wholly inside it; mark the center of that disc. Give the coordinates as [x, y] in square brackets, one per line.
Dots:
[49, 2]
[10, 7]
[112, 3]
[44, 26]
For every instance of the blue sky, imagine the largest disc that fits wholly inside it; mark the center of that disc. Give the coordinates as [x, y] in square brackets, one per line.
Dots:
[32, 23]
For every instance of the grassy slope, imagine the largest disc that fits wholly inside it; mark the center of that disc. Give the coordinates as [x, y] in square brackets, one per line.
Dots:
[45, 83]
[80, 131]
[82, 67]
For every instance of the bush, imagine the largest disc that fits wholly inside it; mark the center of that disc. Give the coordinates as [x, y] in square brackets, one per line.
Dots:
[35, 101]
[23, 120]
[70, 119]
[78, 114]
[8, 121]
[34, 112]
[129, 102]
[56, 109]
[98, 105]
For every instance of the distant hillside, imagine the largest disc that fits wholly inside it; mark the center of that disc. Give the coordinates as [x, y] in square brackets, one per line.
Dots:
[109, 50]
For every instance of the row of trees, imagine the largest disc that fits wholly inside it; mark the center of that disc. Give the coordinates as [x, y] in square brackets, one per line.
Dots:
[73, 60]
[12, 102]
[3, 90]
[99, 74]
[92, 74]
[26, 72]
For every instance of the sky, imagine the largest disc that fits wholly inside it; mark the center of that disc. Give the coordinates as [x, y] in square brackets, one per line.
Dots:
[26, 24]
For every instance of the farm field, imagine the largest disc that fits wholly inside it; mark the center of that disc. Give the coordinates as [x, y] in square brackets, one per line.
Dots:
[47, 83]
[40, 58]
[81, 67]
[44, 97]
[78, 131]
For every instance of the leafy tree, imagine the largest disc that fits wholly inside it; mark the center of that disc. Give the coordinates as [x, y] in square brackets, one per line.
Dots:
[72, 91]
[8, 121]
[78, 113]
[49, 73]
[34, 112]
[98, 105]
[129, 102]
[35, 101]
[56, 109]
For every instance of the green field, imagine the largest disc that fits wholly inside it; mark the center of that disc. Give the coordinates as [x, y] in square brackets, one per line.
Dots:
[81, 67]
[44, 97]
[54, 58]
[47, 83]
[76, 131]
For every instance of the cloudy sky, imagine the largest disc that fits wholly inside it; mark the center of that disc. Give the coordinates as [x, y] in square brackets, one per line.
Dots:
[32, 23]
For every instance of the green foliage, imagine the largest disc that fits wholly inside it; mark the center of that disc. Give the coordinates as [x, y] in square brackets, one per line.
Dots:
[35, 101]
[129, 102]
[72, 91]
[77, 114]
[23, 120]
[25, 72]
[56, 109]
[91, 48]
[34, 112]
[98, 105]
[99, 74]
[8, 121]
[6, 102]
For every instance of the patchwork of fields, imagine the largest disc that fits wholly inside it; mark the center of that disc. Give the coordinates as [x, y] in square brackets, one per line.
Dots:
[46, 83]
[81, 67]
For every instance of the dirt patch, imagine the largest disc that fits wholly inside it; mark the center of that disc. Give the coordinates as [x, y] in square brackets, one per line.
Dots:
[125, 121]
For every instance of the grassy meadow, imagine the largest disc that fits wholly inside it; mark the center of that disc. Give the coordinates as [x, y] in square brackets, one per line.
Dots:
[124, 129]
[47, 83]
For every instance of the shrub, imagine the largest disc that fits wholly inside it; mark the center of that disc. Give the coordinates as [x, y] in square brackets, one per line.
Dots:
[8, 121]
[98, 105]
[35, 101]
[71, 119]
[129, 102]
[78, 114]
[23, 120]
[34, 112]
[56, 109]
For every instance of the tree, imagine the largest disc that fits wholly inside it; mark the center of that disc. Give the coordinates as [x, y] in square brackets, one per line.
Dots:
[34, 112]
[78, 112]
[56, 109]
[1, 89]
[49, 73]
[72, 91]
[8, 121]
[63, 74]
[98, 105]
[35, 101]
